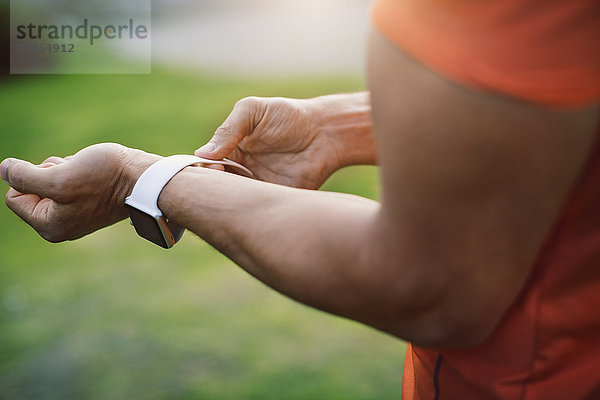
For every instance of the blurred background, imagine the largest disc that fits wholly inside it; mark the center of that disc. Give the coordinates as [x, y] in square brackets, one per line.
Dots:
[112, 316]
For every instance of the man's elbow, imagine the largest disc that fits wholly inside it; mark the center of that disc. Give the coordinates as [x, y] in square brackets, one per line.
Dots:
[438, 329]
[440, 313]
[456, 302]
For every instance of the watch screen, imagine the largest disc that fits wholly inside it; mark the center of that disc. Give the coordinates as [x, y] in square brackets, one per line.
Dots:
[146, 226]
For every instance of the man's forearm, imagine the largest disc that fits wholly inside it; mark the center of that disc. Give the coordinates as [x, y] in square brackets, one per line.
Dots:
[308, 245]
[319, 248]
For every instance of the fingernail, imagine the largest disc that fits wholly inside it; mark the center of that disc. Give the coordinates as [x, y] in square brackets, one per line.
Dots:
[4, 169]
[207, 148]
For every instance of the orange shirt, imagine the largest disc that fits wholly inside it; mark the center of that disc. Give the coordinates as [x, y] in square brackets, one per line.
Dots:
[547, 345]
[544, 51]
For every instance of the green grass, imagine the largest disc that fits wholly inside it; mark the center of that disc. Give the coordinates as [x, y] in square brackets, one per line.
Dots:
[113, 317]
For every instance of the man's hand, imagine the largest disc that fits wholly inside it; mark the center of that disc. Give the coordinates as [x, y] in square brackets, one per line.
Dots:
[67, 198]
[293, 142]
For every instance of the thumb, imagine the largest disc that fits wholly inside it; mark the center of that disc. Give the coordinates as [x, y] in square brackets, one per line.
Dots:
[239, 124]
[27, 178]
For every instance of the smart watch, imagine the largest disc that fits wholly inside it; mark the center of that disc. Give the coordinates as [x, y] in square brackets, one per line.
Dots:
[142, 205]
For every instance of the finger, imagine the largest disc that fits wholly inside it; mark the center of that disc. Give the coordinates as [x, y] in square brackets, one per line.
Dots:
[28, 178]
[46, 165]
[239, 124]
[29, 207]
[218, 167]
[54, 160]
[35, 211]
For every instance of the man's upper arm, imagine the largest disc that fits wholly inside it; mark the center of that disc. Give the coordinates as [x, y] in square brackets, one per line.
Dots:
[471, 184]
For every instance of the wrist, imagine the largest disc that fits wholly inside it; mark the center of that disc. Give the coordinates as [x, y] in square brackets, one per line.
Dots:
[345, 120]
[133, 165]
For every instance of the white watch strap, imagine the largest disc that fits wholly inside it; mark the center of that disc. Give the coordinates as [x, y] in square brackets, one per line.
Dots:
[148, 187]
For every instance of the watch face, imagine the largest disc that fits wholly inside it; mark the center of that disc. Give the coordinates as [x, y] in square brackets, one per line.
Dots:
[147, 226]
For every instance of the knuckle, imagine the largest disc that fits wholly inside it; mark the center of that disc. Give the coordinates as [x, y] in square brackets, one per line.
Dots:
[280, 101]
[247, 102]
[51, 159]
[253, 108]
[225, 129]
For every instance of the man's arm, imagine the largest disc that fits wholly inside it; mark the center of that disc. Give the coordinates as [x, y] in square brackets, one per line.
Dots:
[470, 187]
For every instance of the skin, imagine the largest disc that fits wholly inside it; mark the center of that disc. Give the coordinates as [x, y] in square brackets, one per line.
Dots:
[471, 184]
